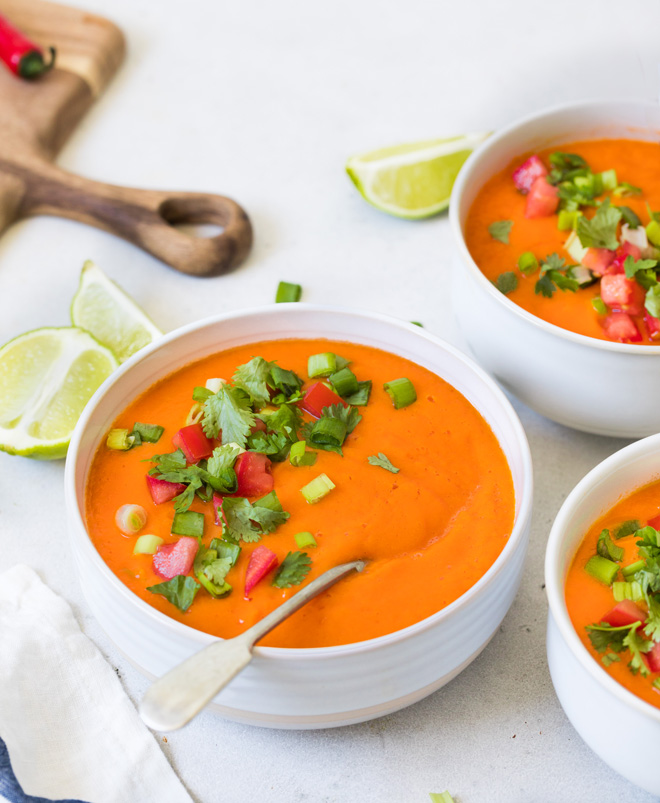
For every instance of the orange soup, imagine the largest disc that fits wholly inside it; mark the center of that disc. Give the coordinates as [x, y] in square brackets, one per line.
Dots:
[572, 235]
[412, 480]
[613, 592]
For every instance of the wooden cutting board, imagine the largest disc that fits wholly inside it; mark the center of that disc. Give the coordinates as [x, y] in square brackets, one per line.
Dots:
[37, 118]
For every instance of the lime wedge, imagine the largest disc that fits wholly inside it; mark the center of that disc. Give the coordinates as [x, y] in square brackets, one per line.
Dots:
[103, 309]
[414, 180]
[46, 378]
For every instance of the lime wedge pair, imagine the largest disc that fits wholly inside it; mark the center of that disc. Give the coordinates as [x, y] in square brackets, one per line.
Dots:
[412, 181]
[48, 375]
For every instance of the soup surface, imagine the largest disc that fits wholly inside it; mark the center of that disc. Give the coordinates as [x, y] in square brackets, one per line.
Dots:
[610, 592]
[428, 531]
[561, 253]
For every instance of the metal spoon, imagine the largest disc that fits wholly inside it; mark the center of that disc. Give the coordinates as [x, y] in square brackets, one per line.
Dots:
[173, 700]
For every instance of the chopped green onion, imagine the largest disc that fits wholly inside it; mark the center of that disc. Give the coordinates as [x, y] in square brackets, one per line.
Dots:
[201, 394]
[147, 545]
[188, 523]
[321, 364]
[286, 291]
[151, 433]
[344, 382]
[627, 590]
[627, 528]
[328, 431]
[441, 797]
[624, 189]
[361, 397]
[599, 305]
[401, 391]
[607, 548]
[630, 217]
[304, 540]
[315, 490]
[653, 232]
[226, 549]
[602, 569]
[131, 519]
[195, 414]
[567, 219]
[298, 456]
[215, 591]
[417, 323]
[528, 263]
[574, 247]
[119, 439]
[632, 568]
[608, 180]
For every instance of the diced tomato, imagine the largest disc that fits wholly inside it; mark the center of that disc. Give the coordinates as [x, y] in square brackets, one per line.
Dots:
[525, 175]
[623, 251]
[620, 326]
[162, 491]
[622, 294]
[542, 199]
[624, 613]
[598, 260]
[171, 560]
[217, 509]
[262, 561]
[193, 443]
[652, 326]
[253, 474]
[318, 396]
[652, 657]
[654, 522]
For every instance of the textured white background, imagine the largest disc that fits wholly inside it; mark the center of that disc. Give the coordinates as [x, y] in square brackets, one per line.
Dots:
[264, 102]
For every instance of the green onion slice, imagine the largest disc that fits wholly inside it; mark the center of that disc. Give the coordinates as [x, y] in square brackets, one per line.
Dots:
[328, 431]
[286, 291]
[321, 364]
[401, 391]
[149, 433]
[147, 545]
[298, 456]
[602, 569]
[188, 523]
[344, 382]
[632, 568]
[627, 590]
[119, 439]
[304, 540]
[315, 490]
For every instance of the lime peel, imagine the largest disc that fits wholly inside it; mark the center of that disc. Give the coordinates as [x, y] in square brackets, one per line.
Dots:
[413, 180]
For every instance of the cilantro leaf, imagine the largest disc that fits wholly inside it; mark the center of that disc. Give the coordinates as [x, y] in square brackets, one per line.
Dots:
[293, 570]
[606, 548]
[600, 231]
[285, 420]
[627, 528]
[287, 382]
[652, 300]
[180, 591]
[632, 266]
[253, 379]
[652, 624]
[228, 412]
[609, 658]
[172, 461]
[243, 521]
[552, 262]
[222, 459]
[274, 444]
[545, 286]
[381, 460]
[562, 281]
[500, 229]
[637, 646]
[507, 282]
[604, 636]
[348, 415]
[361, 395]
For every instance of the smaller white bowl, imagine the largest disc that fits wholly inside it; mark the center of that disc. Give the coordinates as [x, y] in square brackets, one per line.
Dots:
[593, 385]
[599, 708]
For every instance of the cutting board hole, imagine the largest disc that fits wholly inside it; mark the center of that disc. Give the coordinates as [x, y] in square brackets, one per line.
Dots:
[197, 216]
[200, 230]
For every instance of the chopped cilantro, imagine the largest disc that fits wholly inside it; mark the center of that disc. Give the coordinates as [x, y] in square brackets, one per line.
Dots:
[180, 591]
[610, 658]
[604, 636]
[652, 300]
[381, 460]
[253, 379]
[243, 521]
[228, 412]
[500, 230]
[361, 395]
[218, 473]
[507, 282]
[552, 262]
[552, 277]
[632, 266]
[637, 646]
[624, 189]
[600, 231]
[293, 570]
[627, 528]
[606, 548]
[545, 286]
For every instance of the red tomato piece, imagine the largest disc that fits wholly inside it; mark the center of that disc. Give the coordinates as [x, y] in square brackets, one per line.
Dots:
[542, 199]
[622, 294]
[162, 491]
[171, 560]
[620, 326]
[253, 474]
[654, 522]
[652, 658]
[525, 175]
[217, 509]
[652, 326]
[262, 561]
[598, 260]
[624, 613]
[193, 443]
[318, 396]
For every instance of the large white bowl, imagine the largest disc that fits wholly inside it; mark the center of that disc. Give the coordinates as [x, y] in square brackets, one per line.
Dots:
[594, 385]
[622, 729]
[320, 687]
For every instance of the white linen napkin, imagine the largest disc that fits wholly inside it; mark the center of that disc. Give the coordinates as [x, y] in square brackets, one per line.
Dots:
[70, 729]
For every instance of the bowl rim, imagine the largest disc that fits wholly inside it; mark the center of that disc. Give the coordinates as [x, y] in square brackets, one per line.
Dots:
[78, 532]
[467, 177]
[554, 575]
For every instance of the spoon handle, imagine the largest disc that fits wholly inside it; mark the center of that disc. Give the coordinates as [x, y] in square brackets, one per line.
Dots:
[179, 695]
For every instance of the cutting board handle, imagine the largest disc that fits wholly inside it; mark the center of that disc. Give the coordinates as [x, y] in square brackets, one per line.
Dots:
[147, 218]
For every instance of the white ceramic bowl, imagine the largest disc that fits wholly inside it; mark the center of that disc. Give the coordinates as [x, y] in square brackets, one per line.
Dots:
[598, 706]
[594, 385]
[320, 687]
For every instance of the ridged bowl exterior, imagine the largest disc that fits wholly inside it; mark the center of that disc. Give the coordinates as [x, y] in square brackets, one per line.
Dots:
[320, 687]
[593, 385]
[599, 708]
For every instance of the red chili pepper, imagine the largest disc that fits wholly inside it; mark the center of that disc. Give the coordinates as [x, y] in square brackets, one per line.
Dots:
[22, 56]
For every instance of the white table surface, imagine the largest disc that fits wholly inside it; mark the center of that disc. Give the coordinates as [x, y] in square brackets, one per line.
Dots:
[264, 102]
